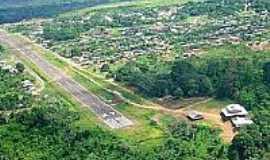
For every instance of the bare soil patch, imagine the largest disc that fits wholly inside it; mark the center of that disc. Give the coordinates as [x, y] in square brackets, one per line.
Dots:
[171, 103]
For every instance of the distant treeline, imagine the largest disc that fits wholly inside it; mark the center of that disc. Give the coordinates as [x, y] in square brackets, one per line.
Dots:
[11, 12]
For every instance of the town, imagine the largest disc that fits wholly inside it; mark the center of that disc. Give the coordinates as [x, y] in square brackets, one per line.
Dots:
[123, 35]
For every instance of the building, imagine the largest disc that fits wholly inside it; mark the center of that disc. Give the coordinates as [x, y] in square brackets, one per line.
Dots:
[237, 114]
[8, 68]
[194, 115]
[28, 86]
[239, 122]
[234, 110]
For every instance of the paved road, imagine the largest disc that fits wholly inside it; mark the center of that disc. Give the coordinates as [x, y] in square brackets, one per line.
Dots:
[111, 117]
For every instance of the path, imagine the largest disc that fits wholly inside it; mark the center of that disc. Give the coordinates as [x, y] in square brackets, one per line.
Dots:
[214, 118]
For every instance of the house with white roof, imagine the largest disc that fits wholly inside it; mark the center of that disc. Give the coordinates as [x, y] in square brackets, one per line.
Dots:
[237, 114]
[239, 122]
[234, 110]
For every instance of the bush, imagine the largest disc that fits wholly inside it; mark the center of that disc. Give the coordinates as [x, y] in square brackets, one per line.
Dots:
[1, 49]
[12, 95]
[178, 92]
[105, 68]
[266, 72]
[60, 33]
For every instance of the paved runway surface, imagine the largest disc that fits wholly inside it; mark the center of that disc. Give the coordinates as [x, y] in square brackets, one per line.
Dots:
[111, 117]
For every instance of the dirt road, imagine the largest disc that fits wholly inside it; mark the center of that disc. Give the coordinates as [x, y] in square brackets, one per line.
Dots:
[213, 117]
[110, 116]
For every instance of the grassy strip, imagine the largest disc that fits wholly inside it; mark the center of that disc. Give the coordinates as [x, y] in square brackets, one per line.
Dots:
[212, 105]
[124, 92]
[145, 130]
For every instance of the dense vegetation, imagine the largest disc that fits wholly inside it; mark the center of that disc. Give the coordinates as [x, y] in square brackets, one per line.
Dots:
[229, 73]
[1, 49]
[14, 11]
[12, 95]
[47, 133]
[186, 142]
[253, 141]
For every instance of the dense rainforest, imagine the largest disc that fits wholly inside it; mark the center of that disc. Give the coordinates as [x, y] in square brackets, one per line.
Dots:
[225, 72]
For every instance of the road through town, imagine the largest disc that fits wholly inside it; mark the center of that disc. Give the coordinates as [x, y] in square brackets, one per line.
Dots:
[110, 116]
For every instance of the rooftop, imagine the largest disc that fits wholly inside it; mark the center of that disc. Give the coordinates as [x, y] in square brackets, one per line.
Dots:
[233, 110]
[194, 115]
[241, 121]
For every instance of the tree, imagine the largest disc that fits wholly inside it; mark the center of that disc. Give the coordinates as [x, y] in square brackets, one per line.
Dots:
[1, 49]
[178, 92]
[248, 144]
[248, 97]
[60, 33]
[191, 142]
[205, 86]
[12, 95]
[105, 68]
[20, 67]
[266, 72]
[181, 67]
[191, 87]
[75, 51]
[128, 73]
[229, 81]
[162, 85]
